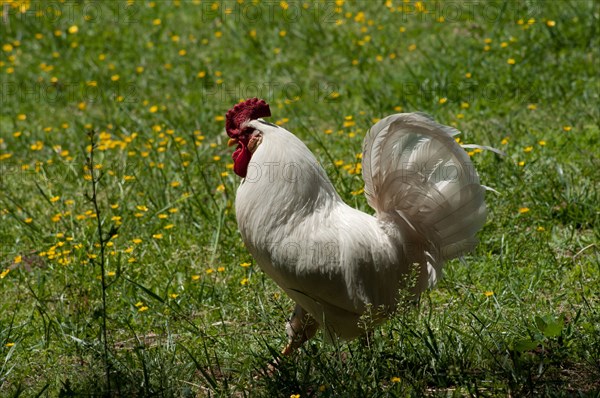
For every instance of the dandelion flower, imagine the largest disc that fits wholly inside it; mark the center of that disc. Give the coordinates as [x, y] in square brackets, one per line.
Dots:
[488, 293]
[523, 210]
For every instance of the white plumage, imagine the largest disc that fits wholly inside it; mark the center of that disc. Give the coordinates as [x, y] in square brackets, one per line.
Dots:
[335, 261]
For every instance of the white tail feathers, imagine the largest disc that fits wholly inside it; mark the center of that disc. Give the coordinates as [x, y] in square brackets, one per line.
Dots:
[416, 173]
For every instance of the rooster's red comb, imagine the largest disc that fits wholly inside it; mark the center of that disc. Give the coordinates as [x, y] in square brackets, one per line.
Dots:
[250, 109]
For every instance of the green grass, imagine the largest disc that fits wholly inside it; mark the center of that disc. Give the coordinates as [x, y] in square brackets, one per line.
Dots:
[520, 317]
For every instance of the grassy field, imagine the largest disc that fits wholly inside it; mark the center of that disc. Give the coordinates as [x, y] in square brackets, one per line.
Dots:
[168, 302]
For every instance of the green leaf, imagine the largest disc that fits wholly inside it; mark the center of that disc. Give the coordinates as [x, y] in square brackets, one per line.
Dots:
[148, 291]
[525, 345]
[540, 323]
[555, 327]
[549, 326]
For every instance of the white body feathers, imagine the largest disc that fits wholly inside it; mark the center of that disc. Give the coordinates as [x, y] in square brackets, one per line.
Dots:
[336, 261]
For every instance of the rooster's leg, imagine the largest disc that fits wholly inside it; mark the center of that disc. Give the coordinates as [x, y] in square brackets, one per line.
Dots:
[300, 328]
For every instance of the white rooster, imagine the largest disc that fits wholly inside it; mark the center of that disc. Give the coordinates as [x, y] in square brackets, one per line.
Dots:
[337, 262]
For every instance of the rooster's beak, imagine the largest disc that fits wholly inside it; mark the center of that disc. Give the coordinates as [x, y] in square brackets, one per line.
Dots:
[232, 142]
